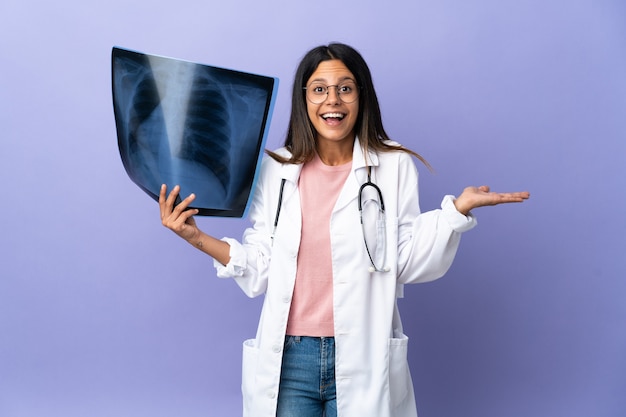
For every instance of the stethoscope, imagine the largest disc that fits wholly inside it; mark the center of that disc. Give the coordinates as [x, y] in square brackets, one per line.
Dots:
[381, 229]
[380, 222]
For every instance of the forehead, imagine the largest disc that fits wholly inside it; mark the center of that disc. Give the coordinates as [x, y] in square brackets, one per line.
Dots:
[331, 71]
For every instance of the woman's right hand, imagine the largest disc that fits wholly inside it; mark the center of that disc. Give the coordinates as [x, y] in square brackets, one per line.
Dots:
[179, 218]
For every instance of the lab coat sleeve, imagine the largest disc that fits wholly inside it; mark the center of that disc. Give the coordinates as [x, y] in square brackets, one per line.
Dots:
[250, 258]
[427, 242]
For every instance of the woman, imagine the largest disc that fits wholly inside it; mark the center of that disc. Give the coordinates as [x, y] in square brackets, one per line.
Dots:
[330, 339]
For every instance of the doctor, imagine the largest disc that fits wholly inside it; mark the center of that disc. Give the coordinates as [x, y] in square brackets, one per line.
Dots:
[336, 234]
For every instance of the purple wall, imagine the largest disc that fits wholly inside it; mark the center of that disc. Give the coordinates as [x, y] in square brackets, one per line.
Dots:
[103, 312]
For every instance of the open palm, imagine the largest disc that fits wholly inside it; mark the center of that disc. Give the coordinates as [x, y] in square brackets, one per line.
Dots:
[473, 197]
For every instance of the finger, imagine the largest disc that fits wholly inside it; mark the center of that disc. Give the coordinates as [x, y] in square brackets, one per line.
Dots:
[162, 193]
[171, 198]
[523, 195]
[184, 204]
[187, 217]
[512, 197]
[484, 188]
[168, 217]
[184, 221]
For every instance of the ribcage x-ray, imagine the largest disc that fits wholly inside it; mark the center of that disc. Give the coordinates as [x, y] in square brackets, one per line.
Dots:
[194, 125]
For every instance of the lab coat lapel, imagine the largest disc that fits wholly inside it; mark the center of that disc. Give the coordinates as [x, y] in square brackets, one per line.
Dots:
[291, 213]
[290, 172]
[358, 176]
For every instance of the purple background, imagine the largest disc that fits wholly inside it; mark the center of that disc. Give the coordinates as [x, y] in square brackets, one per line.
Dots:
[103, 312]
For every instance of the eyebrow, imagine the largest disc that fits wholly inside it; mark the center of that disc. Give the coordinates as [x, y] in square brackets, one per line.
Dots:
[317, 80]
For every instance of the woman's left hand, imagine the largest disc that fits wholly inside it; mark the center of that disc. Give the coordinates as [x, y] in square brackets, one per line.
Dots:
[473, 197]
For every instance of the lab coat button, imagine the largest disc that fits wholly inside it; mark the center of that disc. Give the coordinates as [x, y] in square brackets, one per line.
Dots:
[276, 348]
[272, 394]
[286, 299]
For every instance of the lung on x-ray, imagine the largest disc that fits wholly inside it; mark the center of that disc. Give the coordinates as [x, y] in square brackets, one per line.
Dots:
[198, 126]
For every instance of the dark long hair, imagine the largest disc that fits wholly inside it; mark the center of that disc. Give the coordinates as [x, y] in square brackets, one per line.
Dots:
[300, 140]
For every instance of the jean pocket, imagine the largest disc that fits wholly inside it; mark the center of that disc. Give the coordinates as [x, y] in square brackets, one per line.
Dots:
[399, 376]
[289, 342]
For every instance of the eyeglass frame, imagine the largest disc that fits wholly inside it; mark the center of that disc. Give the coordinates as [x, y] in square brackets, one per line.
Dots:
[357, 89]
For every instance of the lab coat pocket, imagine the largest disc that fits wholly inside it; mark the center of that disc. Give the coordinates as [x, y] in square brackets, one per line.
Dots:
[399, 377]
[248, 370]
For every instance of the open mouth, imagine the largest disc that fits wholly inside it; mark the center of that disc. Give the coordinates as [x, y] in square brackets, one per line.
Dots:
[333, 116]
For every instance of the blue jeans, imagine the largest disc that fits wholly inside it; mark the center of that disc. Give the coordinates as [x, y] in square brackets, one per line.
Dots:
[307, 379]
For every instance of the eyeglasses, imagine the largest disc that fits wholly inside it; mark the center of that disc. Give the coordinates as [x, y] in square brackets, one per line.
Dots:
[317, 93]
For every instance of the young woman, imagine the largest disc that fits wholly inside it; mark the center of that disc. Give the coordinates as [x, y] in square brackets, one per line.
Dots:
[336, 234]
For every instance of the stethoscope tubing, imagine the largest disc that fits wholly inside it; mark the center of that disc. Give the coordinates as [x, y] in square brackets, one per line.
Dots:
[368, 183]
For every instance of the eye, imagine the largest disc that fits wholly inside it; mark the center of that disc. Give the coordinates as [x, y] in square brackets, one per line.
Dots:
[346, 89]
[318, 89]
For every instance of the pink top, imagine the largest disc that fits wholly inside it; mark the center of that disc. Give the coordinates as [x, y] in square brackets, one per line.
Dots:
[311, 311]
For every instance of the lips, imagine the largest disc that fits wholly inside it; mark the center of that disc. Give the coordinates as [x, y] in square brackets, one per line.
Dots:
[337, 116]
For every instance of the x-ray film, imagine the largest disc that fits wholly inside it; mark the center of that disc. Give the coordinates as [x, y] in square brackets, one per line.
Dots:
[201, 127]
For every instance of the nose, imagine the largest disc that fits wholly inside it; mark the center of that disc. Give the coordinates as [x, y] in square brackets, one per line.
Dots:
[332, 94]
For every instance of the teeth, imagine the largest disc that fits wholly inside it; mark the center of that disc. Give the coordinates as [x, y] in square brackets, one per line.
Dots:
[333, 115]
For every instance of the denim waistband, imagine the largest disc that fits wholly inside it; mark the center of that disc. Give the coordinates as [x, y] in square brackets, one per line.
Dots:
[298, 338]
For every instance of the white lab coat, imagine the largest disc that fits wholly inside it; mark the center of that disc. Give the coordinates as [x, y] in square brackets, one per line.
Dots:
[371, 369]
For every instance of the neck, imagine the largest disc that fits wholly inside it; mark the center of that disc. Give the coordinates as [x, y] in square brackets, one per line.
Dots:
[335, 153]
